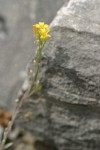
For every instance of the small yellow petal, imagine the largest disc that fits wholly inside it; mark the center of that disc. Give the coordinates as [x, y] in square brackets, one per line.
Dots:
[35, 30]
[46, 26]
[37, 25]
[49, 35]
[41, 23]
[41, 30]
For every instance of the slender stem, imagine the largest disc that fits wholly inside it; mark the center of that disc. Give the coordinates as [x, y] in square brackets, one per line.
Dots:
[24, 95]
[16, 111]
[38, 59]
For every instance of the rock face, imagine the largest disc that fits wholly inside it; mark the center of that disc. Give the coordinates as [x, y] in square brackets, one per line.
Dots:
[16, 41]
[67, 113]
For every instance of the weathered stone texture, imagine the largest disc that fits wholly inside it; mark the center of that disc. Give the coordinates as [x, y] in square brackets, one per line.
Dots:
[67, 113]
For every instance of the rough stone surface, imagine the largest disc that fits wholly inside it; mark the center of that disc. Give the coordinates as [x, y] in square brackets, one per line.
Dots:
[16, 40]
[67, 113]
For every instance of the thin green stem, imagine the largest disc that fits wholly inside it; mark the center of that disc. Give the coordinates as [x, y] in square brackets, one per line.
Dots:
[33, 87]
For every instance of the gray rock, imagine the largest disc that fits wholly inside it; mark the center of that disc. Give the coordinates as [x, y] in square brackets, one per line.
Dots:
[17, 43]
[67, 113]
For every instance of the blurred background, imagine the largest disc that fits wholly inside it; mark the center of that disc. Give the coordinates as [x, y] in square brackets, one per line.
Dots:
[17, 41]
[17, 49]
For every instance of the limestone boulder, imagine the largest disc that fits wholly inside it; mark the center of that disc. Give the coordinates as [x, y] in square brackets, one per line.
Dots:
[67, 112]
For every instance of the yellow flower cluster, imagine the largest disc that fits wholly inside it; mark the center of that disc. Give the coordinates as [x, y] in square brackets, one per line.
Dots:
[41, 31]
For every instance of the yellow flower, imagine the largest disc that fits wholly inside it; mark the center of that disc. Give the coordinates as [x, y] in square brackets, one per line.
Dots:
[42, 25]
[41, 31]
[35, 30]
[44, 34]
